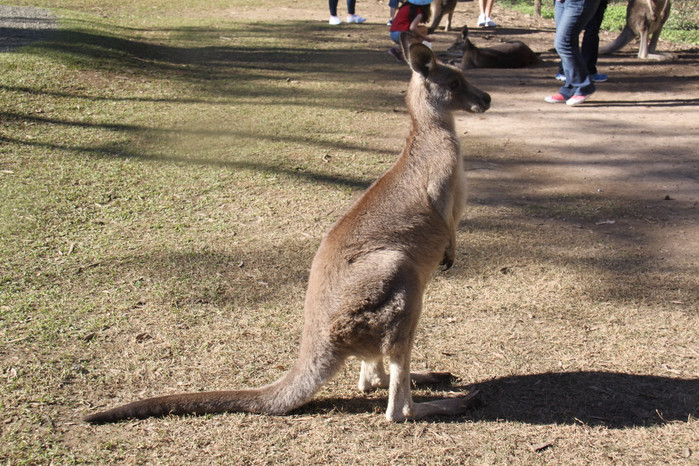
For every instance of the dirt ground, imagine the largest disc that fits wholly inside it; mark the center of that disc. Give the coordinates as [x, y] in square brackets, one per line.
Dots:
[635, 139]
[573, 312]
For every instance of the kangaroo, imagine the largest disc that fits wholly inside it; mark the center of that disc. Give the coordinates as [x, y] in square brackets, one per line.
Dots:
[439, 9]
[644, 19]
[368, 277]
[512, 54]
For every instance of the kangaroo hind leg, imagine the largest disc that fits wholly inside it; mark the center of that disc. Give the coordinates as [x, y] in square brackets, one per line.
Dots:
[372, 375]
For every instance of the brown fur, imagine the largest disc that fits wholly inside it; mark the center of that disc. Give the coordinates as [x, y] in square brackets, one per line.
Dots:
[368, 277]
[512, 54]
[644, 19]
[439, 9]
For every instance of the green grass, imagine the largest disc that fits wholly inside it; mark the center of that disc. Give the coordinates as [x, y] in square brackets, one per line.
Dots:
[682, 26]
[167, 170]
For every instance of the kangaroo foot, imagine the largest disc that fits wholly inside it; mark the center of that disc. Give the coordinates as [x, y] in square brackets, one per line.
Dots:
[432, 378]
[445, 407]
[659, 56]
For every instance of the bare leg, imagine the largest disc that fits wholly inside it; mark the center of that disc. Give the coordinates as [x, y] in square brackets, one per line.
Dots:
[485, 6]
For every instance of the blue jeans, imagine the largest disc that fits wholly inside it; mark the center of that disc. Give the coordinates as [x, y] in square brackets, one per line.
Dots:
[571, 18]
[589, 46]
[333, 7]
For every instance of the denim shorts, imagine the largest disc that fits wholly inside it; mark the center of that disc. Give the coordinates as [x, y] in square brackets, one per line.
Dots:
[395, 36]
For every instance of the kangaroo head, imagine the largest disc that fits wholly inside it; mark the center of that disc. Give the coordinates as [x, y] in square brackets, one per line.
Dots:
[446, 86]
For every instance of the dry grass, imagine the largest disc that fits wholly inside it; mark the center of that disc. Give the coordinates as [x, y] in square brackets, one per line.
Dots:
[165, 181]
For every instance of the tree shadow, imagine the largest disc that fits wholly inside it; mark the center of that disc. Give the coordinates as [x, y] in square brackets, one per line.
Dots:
[190, 56]
[646, 103]
[23, 25]
[507, 31]
[607, 399]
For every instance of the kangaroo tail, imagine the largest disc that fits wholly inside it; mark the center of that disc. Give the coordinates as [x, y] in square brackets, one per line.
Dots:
[624, 38]
[294, 389]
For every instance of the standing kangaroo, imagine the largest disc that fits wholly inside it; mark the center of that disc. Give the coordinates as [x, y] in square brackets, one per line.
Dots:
[369, 275]
[439, 9]
[644, 19]
[511, 54]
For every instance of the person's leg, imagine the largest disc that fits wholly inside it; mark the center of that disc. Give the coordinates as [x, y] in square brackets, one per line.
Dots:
[351, 17]
[590, 40]
[557, 12]
[485, 7]
[333, 7]
[392, 5]
[481, 13]
[571, 17]
[488, 7]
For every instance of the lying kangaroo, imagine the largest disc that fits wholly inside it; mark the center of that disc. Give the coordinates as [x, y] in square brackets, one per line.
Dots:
[439, 9]
[369, 275]
[644, 19]
[511, 54]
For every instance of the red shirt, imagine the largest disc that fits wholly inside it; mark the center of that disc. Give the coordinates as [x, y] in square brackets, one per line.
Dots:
[402, 19]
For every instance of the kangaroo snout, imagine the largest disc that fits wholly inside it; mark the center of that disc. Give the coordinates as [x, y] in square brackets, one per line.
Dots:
[479, 102]
[483, 105]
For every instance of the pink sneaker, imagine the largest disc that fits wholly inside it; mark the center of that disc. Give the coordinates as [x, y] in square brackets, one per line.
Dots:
[396, 53]
[555, 99]
[577, 99]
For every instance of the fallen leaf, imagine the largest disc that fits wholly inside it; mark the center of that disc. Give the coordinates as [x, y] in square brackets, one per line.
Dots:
[541, 446]
[141, 337]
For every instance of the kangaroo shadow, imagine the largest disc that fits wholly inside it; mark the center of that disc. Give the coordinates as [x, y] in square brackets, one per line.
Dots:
[609, 399]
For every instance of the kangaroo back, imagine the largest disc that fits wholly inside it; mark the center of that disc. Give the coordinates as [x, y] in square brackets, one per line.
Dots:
[511, 54]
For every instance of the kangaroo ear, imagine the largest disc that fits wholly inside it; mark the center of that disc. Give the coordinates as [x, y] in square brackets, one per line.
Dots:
[464, 32]
[406, 40]
[421, 59]
[419, 56]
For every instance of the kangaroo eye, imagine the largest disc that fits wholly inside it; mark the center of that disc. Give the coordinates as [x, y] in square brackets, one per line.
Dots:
[453, 85]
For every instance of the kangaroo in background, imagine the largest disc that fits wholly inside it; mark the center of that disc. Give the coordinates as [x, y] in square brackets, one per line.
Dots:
[644, 19]
[511, 54]
[439, 9]
[369, 275]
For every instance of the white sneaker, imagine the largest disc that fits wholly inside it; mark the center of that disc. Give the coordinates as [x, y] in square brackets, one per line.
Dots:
[355, 19]
[489, 23]
[334, 20]
[481, 19]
